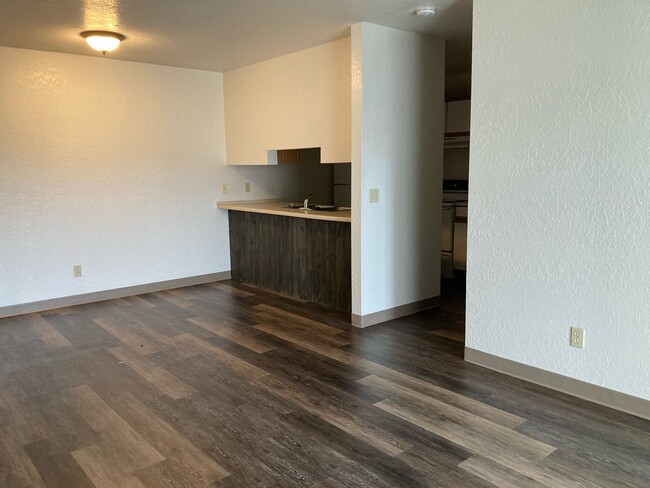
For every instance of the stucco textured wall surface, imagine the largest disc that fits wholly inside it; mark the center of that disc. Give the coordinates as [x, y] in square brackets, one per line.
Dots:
[111, 165]
[397, 147]
[559, 211]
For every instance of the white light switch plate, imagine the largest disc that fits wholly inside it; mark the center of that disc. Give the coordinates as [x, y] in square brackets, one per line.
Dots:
[373, 195]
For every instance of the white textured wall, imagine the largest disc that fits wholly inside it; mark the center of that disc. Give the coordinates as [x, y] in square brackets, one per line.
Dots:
[397, 121]
[559, 212]
[108, 164]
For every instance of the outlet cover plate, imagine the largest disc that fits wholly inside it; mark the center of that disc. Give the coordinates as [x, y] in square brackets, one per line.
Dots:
[577, 337]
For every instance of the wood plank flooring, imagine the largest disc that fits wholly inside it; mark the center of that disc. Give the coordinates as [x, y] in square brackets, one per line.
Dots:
[224, 385]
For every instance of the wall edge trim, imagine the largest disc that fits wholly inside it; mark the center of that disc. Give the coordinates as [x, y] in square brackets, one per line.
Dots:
[98, 296]
[565, 384]
[394, 313]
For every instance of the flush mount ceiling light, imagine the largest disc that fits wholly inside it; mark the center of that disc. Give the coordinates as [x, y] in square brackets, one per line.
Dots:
[103, 41]
[425, 11]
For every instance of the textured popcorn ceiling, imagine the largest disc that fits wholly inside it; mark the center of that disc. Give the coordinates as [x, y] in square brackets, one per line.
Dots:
[559, 212]
[219, 35]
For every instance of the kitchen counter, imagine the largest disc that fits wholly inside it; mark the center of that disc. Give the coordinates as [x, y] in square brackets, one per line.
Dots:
[277, 207]
[301, 253]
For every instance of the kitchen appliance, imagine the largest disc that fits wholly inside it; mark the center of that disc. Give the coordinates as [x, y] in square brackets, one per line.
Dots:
[456, 141]
[447, 240]
[342, 184]
[460, 237]
[449, 186]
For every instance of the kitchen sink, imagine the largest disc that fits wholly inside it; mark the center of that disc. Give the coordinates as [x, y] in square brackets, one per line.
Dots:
[319, 208]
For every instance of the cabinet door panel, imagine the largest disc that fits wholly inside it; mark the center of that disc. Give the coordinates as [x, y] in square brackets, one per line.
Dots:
[307, 259]
[300, 100]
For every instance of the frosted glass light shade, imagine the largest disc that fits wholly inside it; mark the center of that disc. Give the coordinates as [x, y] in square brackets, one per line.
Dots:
[103, 41]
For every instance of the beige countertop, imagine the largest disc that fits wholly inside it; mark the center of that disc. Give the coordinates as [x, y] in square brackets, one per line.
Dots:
[277, 207]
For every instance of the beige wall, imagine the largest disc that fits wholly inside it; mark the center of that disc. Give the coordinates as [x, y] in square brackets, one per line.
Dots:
[112, 165]
[116, 166]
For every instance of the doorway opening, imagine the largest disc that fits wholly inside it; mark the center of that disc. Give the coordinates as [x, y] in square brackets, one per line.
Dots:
[453, 243]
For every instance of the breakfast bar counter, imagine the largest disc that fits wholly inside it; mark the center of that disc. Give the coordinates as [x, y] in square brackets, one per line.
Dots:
[278, 207]
[302, 253]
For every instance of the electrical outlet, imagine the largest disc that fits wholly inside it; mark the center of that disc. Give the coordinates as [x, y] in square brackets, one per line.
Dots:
[373, 195]
[247, 187]
[224, 188]
[577, 337]
[76, 270]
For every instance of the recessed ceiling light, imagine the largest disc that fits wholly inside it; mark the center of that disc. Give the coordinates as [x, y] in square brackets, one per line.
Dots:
[103, 41]
[425, 11]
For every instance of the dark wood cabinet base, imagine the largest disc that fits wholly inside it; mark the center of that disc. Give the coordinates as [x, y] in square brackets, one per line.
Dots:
[304, 258]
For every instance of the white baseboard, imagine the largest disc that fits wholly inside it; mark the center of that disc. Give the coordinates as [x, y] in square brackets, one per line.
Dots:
[98, 296]
[394, 313]
[581, 389]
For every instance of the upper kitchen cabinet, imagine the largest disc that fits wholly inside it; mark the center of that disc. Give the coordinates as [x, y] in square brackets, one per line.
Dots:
[300, 100]
[458, 115]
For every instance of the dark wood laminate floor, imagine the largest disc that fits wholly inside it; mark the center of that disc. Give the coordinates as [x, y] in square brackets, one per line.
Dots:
[226, 386]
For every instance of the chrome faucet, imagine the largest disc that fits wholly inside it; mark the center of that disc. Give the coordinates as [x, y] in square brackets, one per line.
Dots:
[305, 204]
